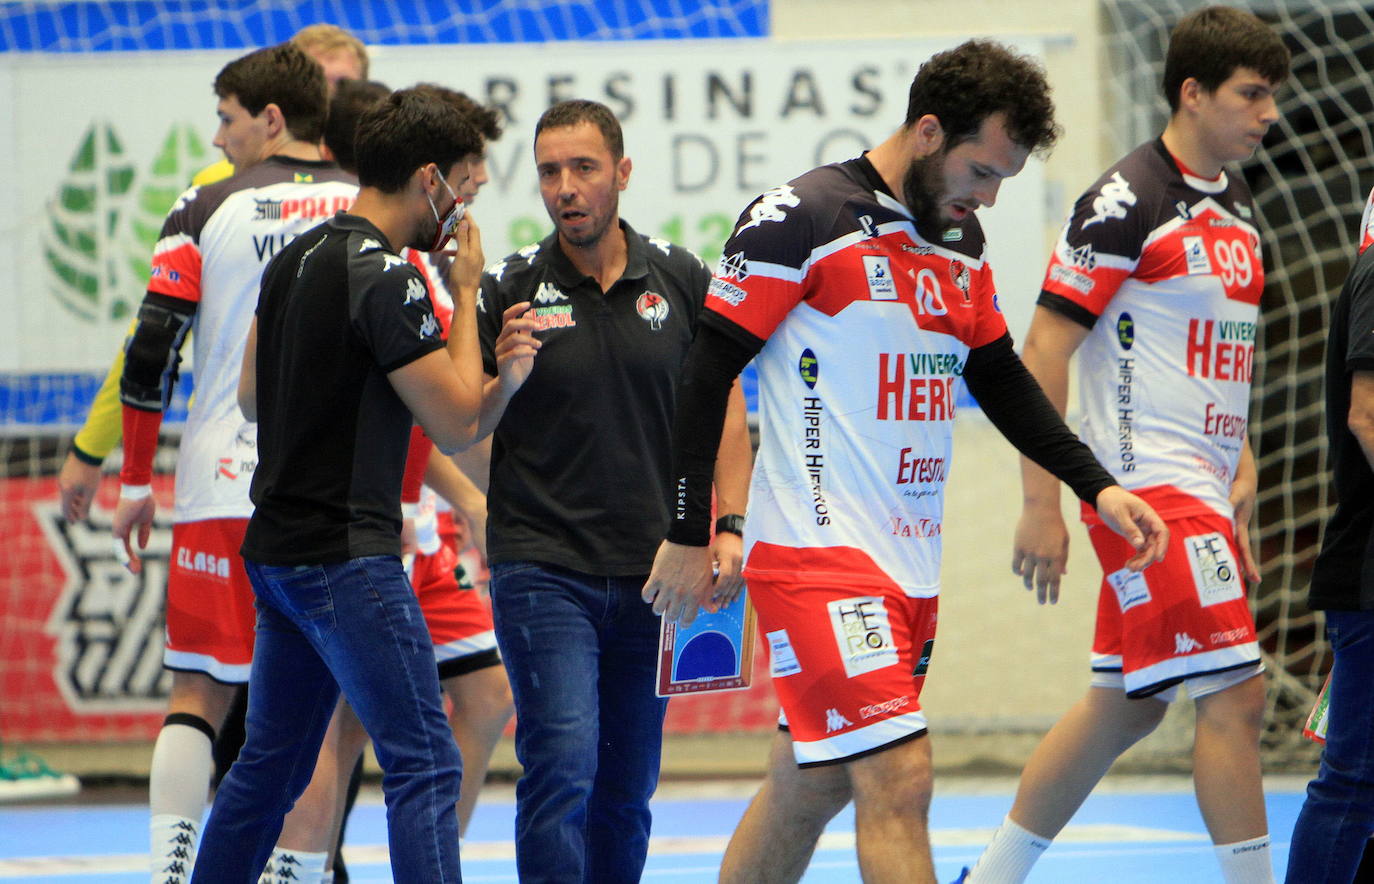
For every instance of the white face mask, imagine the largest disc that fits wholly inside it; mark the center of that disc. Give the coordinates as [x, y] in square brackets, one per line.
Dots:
[446, 226]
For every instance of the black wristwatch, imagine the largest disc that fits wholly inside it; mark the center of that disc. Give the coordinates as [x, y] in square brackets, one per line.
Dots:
[732, 524]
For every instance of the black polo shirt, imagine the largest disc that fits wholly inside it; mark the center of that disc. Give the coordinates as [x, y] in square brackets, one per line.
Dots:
[1343, 577]
[581, 458]
[338, 310]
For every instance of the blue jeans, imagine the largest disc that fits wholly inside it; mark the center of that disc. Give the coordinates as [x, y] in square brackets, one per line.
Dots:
[581, 653]
[1337, 818]
[354, 625]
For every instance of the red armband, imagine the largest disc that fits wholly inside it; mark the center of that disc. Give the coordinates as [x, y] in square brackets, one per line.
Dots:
[140, 444]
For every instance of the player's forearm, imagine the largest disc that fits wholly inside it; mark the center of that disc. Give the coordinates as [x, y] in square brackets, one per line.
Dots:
[452, 485]
[151, 358]
[1039, 488]
[494, 401]
[735, 458]
[465, 353]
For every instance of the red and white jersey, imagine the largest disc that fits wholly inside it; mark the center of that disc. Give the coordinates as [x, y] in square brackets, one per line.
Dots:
[214, 245]
[867, 326]
[1165, 270]
[1367, 223]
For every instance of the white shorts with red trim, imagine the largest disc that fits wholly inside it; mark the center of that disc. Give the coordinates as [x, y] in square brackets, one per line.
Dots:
[1182, 618]
[210, 614]
[848, 663]
[458, 617]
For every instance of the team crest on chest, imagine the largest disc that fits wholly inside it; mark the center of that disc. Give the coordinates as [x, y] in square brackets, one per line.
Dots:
[653, 309]
[958, 272]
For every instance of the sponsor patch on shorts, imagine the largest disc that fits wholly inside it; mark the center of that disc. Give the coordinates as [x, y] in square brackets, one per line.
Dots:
[1130, 587]
[781, 653]
[862, 634]
[1214, 570]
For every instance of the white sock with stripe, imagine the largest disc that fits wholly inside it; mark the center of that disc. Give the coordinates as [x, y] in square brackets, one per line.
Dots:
[1009, 856]
[1246, 862]
[294, 867]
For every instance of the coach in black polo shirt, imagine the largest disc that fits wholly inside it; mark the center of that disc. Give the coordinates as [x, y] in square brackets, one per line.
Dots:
[1337, 819]
[598, 319]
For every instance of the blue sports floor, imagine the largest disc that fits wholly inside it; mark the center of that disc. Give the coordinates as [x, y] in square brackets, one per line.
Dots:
[1133, 829]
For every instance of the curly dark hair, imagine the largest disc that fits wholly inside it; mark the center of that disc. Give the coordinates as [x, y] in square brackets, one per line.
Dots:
[1210, 44]
[282, 75]
[406, 130]
[965, 85]
[577, 111]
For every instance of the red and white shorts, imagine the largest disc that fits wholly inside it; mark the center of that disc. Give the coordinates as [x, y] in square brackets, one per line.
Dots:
[458, 617]
[848, 663]
[210, 614]
[1185, 618]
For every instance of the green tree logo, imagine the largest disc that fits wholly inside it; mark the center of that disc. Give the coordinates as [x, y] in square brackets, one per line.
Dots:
[102, 224]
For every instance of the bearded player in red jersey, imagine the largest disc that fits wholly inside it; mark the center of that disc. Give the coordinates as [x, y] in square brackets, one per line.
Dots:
[864, 292]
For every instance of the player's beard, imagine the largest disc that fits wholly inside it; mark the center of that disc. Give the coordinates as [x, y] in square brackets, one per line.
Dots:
[923, 186]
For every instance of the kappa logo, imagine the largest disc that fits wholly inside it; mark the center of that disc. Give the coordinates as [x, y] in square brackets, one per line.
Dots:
[429, 327]
[834, 721]
[772, 205]
[1185, 643]
[497, 270]
[548, 293]
[529, 252]
[661, 244]
[370, 244]
[1111, 201]
[389, 261]
[415, 291]
[653, 309]
[733, 267]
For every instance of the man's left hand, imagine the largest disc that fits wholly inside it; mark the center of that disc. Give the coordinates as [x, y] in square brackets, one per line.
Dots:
[680, 582]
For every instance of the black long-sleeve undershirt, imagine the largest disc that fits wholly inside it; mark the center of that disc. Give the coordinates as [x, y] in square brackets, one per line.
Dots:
[1004, 388]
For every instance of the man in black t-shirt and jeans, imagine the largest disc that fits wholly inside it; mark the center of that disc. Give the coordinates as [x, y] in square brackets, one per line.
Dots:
[345, 348]
[1337, 819]
[579, 496]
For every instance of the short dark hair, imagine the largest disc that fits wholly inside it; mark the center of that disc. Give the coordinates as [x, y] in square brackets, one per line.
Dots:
[578, 111]
[406, 130]
[965, 85]
[351, 99]
[1210, 44]
[484, 119]
[282, 75]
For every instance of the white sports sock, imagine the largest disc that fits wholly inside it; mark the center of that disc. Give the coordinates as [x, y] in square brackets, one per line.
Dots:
[174, 839]
[294, 867]
[179, 779]
[1009, 856]
[1246, 862]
